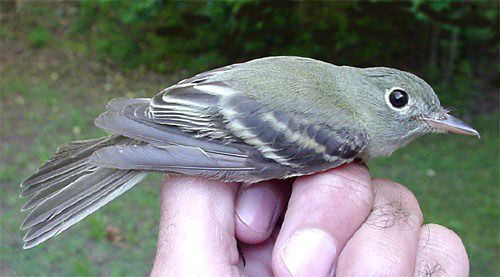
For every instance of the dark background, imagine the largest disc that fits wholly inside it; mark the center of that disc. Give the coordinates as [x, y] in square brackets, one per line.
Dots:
[61, 62]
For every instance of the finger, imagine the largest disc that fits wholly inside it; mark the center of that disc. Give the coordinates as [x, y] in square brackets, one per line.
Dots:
[258, 257]
[386, 244]
[258, 207]
[323, 212]
[196, 233]
[440, 252]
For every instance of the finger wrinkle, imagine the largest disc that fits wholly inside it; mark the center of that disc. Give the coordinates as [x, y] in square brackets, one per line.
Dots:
[393, 253]
[443, 233]
[357, 190]
[361, 177]
[224, 238]
[379, 259]
[441, 250]
[443, 253]
[443, 243]
[391, 192]
[392, 186]
[350, 180]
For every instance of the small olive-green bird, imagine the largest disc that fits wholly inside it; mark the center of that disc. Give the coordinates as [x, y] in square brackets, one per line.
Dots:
[269, 118]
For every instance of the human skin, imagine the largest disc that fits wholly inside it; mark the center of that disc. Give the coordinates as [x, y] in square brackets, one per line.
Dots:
[339, 221]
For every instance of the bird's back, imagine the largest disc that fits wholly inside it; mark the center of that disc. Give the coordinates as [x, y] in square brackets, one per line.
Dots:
[303, 86]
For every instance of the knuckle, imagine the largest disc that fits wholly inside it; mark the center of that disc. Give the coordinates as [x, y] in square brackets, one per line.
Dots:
[351, 187]
[443, 232]
[348, 195]
[447, 236]
[444, 243]
[395, 205]
[395, 191]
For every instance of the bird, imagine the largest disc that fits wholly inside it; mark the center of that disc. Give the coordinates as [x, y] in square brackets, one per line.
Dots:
[267, 118]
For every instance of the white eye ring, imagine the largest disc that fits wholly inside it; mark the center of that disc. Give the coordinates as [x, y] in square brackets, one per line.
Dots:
[388, 100]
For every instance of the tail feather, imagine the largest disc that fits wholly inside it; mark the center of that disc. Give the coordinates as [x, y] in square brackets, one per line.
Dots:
[67, 188]
[72, 193]
[58, 217]
[61, 170]
[72, 150]
[56, 177]
[46, 190]
[68, 155]
[114, 185]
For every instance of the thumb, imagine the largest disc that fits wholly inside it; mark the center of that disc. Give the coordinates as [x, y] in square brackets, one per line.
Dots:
[196, 235]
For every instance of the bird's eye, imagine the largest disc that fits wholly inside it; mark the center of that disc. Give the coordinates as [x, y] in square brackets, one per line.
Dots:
[398, 98]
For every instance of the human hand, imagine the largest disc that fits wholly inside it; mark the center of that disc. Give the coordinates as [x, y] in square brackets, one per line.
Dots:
[339, 221]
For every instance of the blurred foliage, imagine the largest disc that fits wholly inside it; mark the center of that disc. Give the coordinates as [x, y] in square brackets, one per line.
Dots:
[39, 37]
[446, 42]
[390, 33]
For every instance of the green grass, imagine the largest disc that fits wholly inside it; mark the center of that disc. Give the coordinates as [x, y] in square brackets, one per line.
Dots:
[39, 37]
[50, 95]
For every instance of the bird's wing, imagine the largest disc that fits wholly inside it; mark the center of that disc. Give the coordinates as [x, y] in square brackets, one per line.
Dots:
[213, 114]
[167, 148]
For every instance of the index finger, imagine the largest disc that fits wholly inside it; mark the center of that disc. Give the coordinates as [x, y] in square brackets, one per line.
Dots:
[325, 209]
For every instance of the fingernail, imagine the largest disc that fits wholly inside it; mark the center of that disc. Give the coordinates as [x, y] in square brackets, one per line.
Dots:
[256, 208]
[309, 252]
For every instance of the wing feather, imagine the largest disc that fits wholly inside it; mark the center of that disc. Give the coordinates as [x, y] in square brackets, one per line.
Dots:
[173, 150]
[217, 110]
[293, 140]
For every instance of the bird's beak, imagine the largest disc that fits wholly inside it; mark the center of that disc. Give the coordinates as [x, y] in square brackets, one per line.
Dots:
[446, 122]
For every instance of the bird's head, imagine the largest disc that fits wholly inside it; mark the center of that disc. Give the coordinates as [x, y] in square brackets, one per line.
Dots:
[406, 107]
